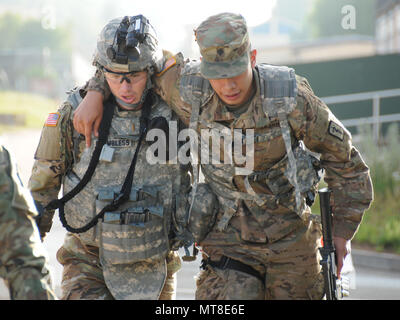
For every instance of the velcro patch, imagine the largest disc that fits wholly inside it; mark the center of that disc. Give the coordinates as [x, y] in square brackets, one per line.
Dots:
[52, 119]
[336, 130]
[167, 65]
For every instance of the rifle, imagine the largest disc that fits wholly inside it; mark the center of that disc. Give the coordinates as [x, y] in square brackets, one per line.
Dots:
[335, 289]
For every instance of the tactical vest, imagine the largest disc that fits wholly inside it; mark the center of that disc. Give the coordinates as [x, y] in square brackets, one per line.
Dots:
[137, 233]
[290, 179]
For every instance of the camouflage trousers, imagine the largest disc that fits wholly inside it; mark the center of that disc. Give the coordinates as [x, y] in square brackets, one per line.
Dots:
[83, 279]
[291, 273]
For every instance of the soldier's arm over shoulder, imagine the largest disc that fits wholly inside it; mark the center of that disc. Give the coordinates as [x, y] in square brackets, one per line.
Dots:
[167, 85]
[53, 155]
[98, 83]
[346, 173]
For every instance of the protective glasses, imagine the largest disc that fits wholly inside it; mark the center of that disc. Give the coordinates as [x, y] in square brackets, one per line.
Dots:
[119, 77]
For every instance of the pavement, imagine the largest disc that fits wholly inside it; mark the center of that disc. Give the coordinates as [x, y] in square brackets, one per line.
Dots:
[376, 260]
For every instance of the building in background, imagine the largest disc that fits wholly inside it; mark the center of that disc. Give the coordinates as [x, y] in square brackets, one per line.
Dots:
[286, 38]
[307, 51]
[388, 26]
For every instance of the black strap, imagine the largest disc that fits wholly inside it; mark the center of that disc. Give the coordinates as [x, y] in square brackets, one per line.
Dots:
[144, 123]
[126, 188]
[104, 129]
[228, 263]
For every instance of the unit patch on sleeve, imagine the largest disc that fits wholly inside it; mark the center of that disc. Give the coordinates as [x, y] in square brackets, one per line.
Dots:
[52, 119]
[336, 130]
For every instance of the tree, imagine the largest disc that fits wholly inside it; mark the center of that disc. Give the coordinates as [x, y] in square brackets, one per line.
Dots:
[32, 57]
[19, 33]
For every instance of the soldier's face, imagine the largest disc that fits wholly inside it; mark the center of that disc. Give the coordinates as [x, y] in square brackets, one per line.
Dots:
[127, 88]
[237, 90]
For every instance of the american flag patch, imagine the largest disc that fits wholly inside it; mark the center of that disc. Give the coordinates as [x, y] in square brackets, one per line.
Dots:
[52, 120]
[168, 64]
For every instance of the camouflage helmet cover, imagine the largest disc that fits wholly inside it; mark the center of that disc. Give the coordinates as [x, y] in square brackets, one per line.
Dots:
[150, 53]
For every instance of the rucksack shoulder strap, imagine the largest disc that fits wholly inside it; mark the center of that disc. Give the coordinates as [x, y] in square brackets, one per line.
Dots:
[278, 89]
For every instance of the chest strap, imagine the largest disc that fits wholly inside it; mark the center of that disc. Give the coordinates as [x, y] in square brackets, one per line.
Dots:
[278, 89]
[196, 91]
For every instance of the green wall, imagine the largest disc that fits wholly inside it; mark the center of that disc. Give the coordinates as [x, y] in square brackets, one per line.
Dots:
[348, 76]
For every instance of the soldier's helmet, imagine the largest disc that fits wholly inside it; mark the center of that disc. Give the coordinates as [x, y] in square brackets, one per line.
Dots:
[128, 44]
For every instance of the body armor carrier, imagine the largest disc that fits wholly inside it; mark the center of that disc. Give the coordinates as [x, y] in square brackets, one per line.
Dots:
[292, 180]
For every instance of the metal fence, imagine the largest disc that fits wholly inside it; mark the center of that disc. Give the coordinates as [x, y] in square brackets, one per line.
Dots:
[376, 118]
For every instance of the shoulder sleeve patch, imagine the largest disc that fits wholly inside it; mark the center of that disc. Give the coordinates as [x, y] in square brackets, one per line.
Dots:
[53, 133]
[167, 65]
[336, 130]
[52, 119]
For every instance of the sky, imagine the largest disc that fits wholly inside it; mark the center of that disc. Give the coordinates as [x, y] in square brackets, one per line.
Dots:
[179, 13]
[187, 12]
[176, 15]
[169, 17]
[173, 20]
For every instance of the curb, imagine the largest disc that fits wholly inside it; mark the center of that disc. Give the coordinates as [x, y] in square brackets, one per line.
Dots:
[376, 260]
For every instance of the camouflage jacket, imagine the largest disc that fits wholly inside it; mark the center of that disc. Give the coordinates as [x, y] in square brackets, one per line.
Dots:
[23, 259]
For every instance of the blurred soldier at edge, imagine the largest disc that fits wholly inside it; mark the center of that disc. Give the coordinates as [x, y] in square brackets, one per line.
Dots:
[23, 263]
[264, 242]
[128, 254]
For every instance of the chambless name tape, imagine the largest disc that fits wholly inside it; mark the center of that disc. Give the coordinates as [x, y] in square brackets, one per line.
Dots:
[168, 64]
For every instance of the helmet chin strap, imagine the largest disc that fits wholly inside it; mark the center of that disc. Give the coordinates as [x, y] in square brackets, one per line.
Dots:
[130, 106]
[133, 106]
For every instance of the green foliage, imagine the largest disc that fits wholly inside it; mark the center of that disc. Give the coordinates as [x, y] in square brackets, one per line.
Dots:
[38, 72]
[382, 159]
[16, 32]
[381, 224]
[325, 19]
[33, 107]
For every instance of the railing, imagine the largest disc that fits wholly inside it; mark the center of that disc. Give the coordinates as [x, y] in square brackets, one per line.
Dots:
[376, 118]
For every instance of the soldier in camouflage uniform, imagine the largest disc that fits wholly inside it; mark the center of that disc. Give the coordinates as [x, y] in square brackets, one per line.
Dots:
[23, 262]
[264, 241]
[128, 254]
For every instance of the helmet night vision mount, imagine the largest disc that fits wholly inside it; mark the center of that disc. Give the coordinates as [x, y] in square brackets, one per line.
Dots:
[131, 32]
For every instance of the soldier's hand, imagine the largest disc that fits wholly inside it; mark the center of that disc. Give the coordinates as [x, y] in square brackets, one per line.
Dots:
[341, 252]
[88, 115]
[38, 225]
[44, 222]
